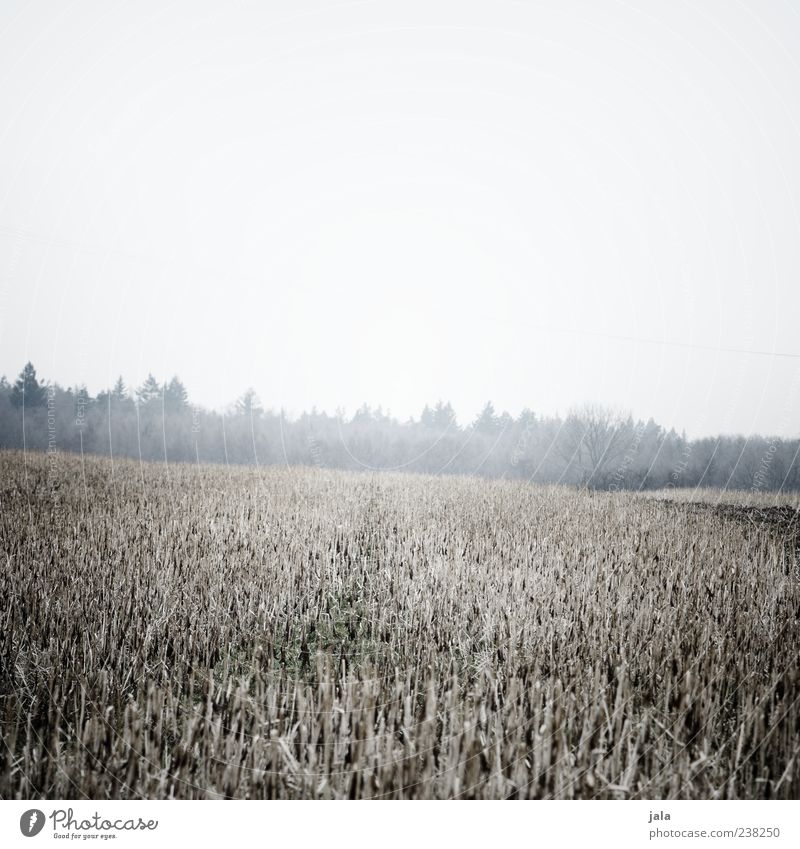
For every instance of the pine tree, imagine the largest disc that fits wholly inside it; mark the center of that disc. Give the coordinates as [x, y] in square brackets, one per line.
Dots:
[149, 391]
[427, 419]
[444, 416]
[363, 414]
[487, 421]
[119, 392]
[176, 398]
[27, 391]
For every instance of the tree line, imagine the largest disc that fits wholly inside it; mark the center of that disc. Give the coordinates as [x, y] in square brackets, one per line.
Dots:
[591, 446]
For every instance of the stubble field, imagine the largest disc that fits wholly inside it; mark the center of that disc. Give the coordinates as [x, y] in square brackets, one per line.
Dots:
[203, 632]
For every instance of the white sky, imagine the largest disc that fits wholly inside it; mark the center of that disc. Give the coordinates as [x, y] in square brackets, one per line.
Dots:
[393, 202]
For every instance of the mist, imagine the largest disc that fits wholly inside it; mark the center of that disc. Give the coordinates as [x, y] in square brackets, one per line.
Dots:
[400, 401]
[545, 205]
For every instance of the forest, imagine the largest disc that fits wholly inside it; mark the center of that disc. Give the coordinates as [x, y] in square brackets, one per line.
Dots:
[591, 446]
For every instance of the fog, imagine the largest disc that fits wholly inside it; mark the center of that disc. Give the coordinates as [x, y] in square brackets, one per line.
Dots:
[541, 204]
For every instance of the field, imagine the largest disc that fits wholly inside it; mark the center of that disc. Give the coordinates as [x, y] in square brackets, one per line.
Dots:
[203, 632]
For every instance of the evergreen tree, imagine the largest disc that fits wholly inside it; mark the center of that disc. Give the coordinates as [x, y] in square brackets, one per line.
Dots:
[119, 392]
[444, 416]
[362, 415]
[27, 391]
[116, 397]
[487, 421]
[149, 391]
[176, 398]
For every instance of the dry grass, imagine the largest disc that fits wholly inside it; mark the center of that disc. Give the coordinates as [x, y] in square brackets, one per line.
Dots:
[202, 632]
[733, 497]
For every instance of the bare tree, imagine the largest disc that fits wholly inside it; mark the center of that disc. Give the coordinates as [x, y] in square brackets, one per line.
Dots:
[594, 441]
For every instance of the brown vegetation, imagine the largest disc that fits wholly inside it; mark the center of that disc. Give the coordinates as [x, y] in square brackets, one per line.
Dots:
[202, 632]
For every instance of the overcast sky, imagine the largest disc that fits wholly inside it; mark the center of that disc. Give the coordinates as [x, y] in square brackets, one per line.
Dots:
[537, 203]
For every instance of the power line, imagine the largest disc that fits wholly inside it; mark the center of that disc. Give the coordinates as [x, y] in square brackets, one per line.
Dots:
[664, 342]
[19, 233]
